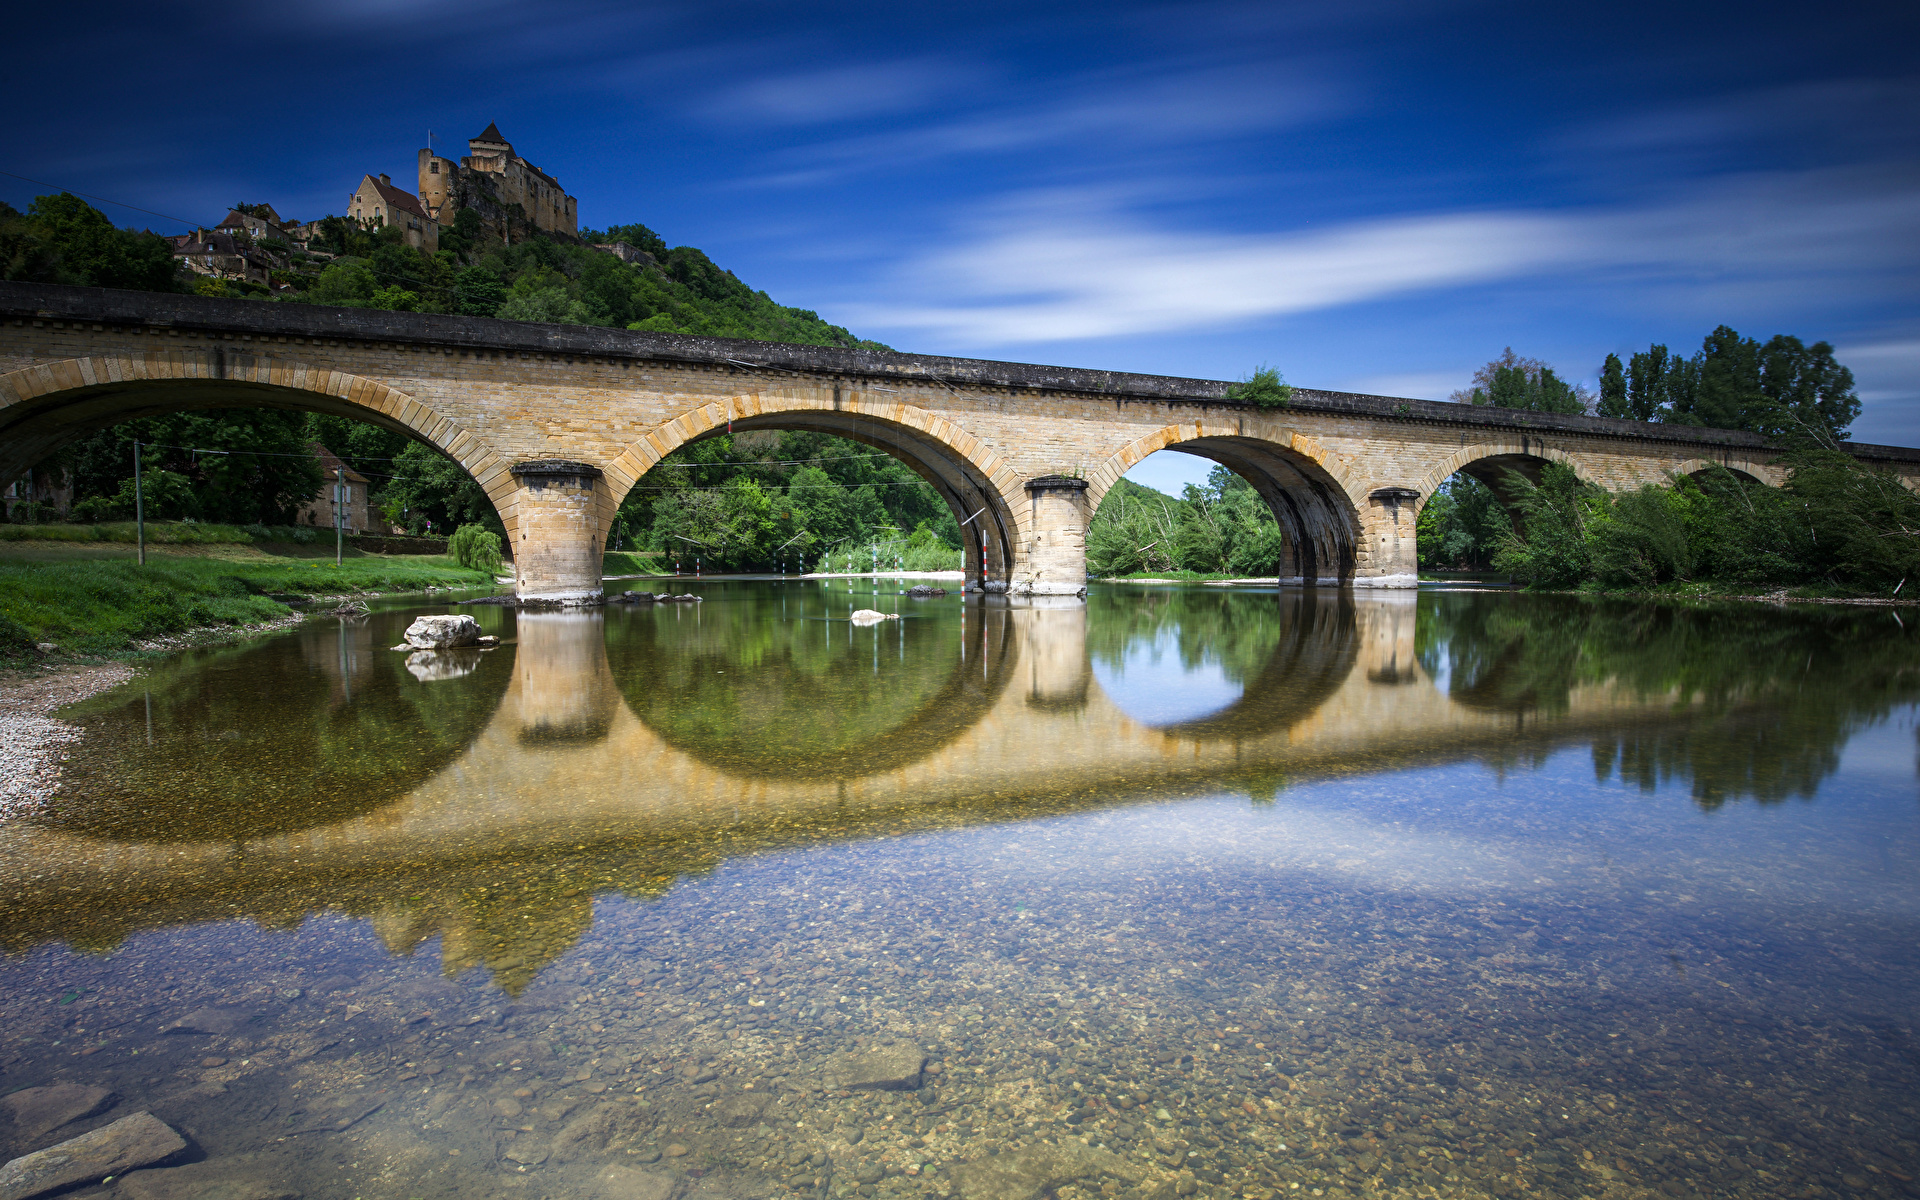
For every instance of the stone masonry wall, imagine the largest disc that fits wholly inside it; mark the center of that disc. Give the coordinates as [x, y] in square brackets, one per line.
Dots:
[494, 393]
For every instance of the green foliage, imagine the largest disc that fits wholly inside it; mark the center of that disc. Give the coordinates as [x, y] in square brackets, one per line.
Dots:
[1837, 524]
[1223, 527]
[1263, 389]
[1461, 526]
[809, 493]
[346, 283]
[1523, 383]
[434, 494]
[63, 239]
[262, 472]
[476, 548]
[1549, 546]
[1760, 701]
[1613, 389]
[1782, 389]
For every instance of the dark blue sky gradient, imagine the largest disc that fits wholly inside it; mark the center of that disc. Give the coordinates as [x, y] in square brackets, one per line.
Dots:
[1373, 196]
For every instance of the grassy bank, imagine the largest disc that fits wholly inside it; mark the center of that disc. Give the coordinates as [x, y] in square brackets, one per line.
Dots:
[104, 605]
[632, 562]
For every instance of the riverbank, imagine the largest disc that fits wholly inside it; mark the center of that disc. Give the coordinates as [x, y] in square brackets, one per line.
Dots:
[32, 741]
[91, 601]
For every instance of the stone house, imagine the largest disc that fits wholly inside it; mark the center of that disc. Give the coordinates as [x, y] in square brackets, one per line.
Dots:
[499, 185]
[257, 228]
[377, 202]
[224, 255]
[352, 496]
[44, 484]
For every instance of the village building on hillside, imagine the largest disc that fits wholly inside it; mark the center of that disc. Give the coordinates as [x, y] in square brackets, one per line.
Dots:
[223, 255]
[499, 186]
[349, 496]
[377, 202]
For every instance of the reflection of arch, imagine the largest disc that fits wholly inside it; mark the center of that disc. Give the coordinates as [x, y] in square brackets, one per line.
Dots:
[1490, 462]
[1306, 486]
[966, 473]
[1308, 664]
[672, 686]
[1746, 469]
[44, 407]
[366, 733]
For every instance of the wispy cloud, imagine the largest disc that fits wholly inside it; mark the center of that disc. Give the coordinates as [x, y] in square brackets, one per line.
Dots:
[1094, 115]
[842, 93]
[1055, 269]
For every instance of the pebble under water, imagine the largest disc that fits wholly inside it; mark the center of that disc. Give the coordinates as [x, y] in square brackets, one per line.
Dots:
[1175, 892]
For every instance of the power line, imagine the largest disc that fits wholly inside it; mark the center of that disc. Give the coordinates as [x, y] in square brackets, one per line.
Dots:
[101, 199]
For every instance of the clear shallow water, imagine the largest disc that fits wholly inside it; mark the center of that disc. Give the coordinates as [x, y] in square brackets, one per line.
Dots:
[1468, 895]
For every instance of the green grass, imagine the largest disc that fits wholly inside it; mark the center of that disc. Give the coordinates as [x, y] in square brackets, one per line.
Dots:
[632, 562]
[104, 606]
[164, 533]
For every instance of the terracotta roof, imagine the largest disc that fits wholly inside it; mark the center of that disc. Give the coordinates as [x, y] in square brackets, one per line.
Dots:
[330, 462]
[396, 198]
[492, 134]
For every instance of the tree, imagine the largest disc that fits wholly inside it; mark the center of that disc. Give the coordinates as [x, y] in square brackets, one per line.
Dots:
[1808, 394]
[1782, 389]
[1511, 381]
[1613, 390]
[86, 249]
[261, 469]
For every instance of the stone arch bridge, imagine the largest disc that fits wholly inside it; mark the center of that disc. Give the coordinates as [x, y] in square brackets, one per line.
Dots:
[558, 422]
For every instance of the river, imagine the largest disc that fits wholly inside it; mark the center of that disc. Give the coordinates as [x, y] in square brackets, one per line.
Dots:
[1179, 891]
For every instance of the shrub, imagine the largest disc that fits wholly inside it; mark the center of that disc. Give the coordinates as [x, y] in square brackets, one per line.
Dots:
[1263, 389]
[476, 548]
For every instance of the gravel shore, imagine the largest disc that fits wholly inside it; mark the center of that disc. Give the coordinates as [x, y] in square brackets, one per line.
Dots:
[32, 744]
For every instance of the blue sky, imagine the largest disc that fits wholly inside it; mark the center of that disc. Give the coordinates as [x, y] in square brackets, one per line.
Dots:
[1372, 196]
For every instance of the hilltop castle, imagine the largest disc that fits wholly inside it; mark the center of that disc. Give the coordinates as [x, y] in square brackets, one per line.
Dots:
[492, 179]
[510, 195]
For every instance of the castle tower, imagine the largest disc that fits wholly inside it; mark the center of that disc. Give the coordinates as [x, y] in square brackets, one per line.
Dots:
[490, 144]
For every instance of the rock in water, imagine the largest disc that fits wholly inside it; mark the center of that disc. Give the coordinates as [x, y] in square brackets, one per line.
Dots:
[866, 616]
[885, 1068]
[209, 1020]
[216, 1179]
[431, 666]
[626, 1183]
[443, 632]
[39, 1110]
[1037, 1169]
[136, 1141]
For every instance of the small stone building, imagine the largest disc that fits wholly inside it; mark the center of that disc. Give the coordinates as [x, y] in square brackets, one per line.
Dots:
[377, 202]
[352, 495]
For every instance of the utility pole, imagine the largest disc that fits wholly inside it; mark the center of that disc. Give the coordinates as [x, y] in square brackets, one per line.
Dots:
[339, 525]
[139, 507]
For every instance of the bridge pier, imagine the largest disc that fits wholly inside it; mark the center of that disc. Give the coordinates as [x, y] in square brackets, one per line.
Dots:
[1389, 546]
[1055, 558]
[556, 532]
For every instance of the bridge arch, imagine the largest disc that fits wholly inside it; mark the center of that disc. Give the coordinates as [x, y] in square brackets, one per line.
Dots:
[1490, 462]
[1308, 488]
[46, 406]
[1746, 468]
[980, 487]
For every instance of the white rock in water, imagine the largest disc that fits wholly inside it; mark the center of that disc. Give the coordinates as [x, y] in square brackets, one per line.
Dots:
[443, 633]
[866, 616]
[429, 666]
[130, 1142]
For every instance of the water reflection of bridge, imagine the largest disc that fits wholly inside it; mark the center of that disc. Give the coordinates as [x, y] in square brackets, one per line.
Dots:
[581, 781]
